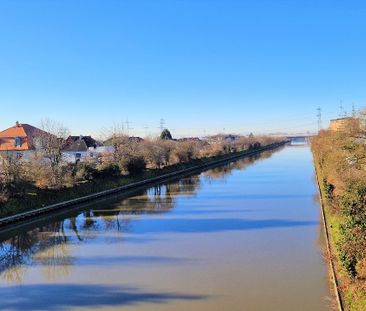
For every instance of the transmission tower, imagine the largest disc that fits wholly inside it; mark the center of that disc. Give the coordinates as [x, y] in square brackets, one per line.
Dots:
[353, 110]
[128, 128]
[342, 112]
[319, 115]
[162, 124]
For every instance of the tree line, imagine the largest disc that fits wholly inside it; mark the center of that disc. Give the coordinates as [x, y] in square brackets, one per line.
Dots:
[131, 156]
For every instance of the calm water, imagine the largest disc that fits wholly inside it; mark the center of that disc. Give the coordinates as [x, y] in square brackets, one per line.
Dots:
[245, 236]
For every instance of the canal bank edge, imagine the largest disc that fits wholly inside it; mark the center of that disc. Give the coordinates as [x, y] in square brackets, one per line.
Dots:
[30, 215]
[334, 277]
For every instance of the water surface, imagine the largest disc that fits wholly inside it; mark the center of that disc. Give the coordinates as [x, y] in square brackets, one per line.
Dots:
[244, 236]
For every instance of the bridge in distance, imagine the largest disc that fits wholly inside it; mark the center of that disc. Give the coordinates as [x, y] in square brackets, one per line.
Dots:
[298, 138]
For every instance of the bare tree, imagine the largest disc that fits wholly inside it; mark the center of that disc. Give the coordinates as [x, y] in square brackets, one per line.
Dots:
[4, 193]
[52, 140]
[157, 152]
[10, 168]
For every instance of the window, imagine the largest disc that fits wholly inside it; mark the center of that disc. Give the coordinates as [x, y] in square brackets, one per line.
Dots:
[18, 142]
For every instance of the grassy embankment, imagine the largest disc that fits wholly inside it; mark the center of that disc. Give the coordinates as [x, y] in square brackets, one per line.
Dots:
[340, 169]
[333, 222]
[35, 197]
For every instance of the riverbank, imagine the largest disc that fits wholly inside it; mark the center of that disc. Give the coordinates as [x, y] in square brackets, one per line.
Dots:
[27, 207]
[329, 246]
[341, 186]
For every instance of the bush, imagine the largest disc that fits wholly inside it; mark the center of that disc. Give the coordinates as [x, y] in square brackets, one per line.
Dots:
[186, 151]
[107, 170]
[154, 153]
[353, 202]
[328, 189]
[4, 194]
[84, 171]
[349, 263]
[136, 165]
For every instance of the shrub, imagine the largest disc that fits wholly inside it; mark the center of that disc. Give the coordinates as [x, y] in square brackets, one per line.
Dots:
[328, 189]
[136, 165]
[107, 170]
[4, 194]
[185, 151]
[154, 153]
[353, 202]
[349, 263]
[84, 171]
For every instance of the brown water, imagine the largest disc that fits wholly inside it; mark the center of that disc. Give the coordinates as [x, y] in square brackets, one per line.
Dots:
[245, 236]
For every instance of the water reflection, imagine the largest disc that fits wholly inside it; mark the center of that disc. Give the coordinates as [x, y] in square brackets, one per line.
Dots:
[49, 245]
[222, 172]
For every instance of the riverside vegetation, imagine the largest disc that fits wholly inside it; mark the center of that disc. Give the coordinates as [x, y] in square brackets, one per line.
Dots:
[340, 161]
[47, 179]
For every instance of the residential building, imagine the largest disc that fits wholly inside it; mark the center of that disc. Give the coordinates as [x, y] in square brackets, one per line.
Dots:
[21, 139]
[82, 148]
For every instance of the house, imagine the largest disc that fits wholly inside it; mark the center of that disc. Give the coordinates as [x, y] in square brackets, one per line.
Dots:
[21, 139]
[82, 148]
[80, 143]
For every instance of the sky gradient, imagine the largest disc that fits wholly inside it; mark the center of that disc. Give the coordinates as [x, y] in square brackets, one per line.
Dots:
[204, 66]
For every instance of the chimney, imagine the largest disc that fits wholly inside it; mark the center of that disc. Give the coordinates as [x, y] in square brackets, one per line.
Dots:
[17, 124]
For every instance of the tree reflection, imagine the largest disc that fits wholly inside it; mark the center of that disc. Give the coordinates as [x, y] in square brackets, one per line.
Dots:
[49, 245]
[223, 171]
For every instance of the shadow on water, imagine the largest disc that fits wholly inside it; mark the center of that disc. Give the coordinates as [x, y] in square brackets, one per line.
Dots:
[217, 225]
[65, 296]
[52, 239]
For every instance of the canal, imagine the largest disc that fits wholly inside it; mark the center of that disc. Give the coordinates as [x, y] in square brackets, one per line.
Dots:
[243, 236]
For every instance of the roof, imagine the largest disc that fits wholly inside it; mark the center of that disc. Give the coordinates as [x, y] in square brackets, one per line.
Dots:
[341, 119]
[21, 130]
[80, 143]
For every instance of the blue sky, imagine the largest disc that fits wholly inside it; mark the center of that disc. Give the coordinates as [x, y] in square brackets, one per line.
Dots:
[201, 65]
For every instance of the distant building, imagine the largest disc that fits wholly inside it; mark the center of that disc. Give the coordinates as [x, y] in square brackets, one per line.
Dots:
[341, 124]
[81, 148]
[222, 138]
[80, 143]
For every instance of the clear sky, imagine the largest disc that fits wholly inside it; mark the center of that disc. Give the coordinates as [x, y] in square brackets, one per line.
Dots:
[201, 65]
